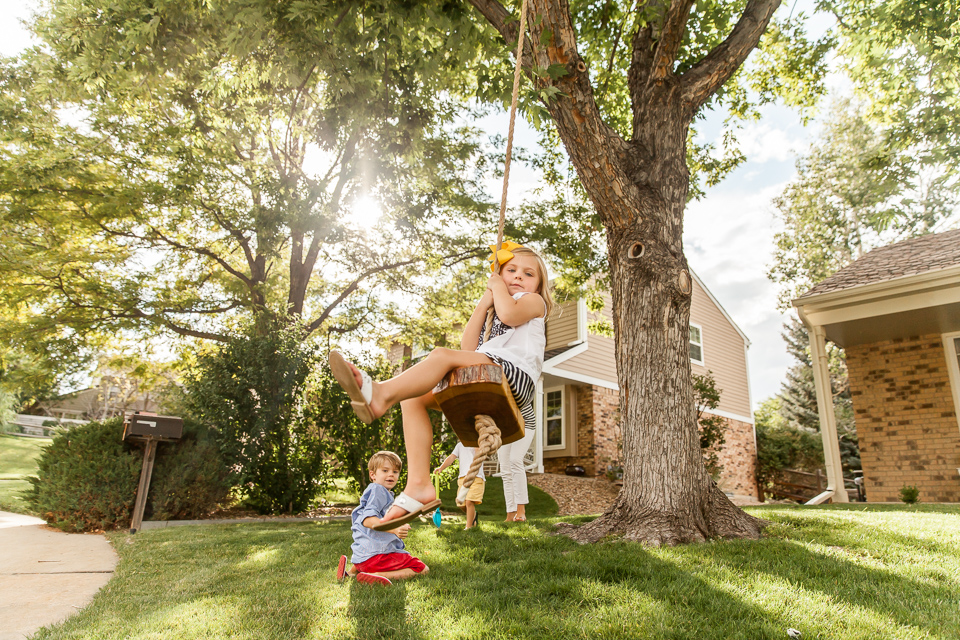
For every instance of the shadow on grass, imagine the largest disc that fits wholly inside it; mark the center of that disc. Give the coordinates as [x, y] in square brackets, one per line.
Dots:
[513, 580]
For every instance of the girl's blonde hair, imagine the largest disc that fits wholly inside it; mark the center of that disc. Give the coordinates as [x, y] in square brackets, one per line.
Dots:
[544, 289]
[384, 457]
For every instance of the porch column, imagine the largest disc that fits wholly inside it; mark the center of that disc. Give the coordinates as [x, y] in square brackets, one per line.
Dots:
[828, 420]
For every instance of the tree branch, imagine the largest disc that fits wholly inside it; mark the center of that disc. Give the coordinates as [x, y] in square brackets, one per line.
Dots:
[671, 36]
[498, 16]
[313, 326]
[708, 75]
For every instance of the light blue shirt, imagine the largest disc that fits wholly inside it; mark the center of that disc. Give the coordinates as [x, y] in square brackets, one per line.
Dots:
[375, 501]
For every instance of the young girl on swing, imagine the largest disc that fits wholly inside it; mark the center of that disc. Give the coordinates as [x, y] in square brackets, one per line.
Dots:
[521, 301]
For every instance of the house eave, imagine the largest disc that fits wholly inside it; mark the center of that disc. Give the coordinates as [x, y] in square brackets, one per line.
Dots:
[910, 305]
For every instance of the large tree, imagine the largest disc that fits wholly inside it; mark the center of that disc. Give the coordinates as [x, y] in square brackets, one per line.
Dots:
[622, 84]
[181, 165]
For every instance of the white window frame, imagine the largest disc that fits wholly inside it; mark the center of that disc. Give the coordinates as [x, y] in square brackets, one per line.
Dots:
[703, 358]
[953, 370]
[563, 419]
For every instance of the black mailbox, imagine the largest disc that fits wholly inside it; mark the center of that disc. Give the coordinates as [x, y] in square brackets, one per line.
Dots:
[143, 426]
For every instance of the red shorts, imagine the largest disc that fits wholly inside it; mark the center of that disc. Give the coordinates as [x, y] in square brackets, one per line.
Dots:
[391, 562]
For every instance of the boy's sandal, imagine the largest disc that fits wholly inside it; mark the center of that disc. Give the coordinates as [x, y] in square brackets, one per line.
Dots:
[414, 509]
[342, 569]
[360, 396]
[519, 518]
[372, 578]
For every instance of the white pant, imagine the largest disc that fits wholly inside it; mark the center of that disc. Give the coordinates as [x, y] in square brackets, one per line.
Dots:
[512, 473]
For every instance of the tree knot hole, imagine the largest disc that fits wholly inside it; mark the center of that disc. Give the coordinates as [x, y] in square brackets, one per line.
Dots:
[581, 67]
[636, 251]
[683, 280]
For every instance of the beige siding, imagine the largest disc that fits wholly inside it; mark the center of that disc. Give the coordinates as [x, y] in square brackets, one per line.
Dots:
[723, 353]
[562, 325]
[598, 361]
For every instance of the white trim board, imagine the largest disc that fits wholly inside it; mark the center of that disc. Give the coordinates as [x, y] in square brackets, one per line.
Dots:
[953, 371]
[579, 377]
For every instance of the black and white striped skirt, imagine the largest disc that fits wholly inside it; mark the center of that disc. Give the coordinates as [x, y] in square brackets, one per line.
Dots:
[523, 390]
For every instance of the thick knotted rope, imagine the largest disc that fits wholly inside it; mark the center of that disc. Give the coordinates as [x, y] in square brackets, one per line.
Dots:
[488, 443]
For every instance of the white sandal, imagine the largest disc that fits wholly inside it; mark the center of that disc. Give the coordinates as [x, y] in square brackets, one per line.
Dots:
[360, 396]
[414, 509]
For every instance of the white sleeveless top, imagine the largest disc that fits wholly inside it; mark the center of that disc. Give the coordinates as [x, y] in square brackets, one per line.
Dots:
[523, 345]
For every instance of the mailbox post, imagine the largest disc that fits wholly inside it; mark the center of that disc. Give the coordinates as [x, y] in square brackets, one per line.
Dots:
[152, 429]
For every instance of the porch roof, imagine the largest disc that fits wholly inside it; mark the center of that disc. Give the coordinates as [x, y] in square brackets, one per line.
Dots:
[907, 289]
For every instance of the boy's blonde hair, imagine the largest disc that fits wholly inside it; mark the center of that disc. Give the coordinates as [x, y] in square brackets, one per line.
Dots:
[544, 289]
[384, 457]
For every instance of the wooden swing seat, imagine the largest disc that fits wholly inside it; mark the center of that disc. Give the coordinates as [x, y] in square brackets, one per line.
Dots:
[479, 389]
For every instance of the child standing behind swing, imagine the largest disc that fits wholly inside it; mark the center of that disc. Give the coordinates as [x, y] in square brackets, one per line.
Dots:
[521, 301]
[464, 456]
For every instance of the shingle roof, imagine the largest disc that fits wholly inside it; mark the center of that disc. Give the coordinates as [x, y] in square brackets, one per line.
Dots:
[908, 258]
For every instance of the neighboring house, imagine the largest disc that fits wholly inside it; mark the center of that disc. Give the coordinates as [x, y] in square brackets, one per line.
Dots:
[578, 411]
[896, 313]
[580, 407]
[112, 396]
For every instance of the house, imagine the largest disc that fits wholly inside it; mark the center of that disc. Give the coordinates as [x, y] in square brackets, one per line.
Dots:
[112, 395]
[896, 313]
[580, 394]
[578, 408]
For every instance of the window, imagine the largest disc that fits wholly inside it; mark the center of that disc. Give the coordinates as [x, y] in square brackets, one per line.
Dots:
[696, 344]
[554, 433]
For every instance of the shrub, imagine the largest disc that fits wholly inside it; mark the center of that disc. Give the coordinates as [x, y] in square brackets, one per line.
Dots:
[783, 446]
[712, 428]
[87, 477]
[910, 495]
[190, 477]
[251, 391]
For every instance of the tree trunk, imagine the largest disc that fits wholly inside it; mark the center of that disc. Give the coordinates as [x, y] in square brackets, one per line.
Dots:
[667, 497]
[639, 188]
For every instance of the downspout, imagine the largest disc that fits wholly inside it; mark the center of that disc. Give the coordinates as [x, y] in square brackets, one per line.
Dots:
[538, 439]
[828, 420]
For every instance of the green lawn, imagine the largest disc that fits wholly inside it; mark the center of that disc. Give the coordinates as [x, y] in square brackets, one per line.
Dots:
[18, 459]
[854, 573]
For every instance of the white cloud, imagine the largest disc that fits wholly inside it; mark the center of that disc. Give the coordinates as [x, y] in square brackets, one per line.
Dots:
[728, 240]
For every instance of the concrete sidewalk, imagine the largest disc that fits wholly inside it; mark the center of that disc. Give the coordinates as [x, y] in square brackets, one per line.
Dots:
[46, 575]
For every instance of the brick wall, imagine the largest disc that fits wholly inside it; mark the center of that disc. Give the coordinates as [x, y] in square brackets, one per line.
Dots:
[597, 433]
[598, 436]
[739, 459]
[906, 421]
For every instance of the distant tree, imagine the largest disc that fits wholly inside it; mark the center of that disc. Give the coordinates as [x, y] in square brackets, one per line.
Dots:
[797, 401]
[854, 191]
[178, 167]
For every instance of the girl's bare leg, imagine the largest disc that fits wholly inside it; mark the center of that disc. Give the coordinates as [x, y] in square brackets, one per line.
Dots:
[414, 390]
[419, 379]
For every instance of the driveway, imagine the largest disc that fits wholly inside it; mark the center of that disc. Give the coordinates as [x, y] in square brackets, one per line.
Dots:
[47, 575]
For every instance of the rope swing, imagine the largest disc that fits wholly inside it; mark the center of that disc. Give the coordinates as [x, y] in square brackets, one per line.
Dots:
[487, 430]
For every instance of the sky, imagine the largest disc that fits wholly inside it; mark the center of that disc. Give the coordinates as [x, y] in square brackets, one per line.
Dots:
[728, 235]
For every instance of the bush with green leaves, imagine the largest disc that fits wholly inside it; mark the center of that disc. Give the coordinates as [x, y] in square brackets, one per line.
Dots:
[712, 427]
[780, 445]
[909, 494]
[190, 477]
[252, 391]
[87, 477]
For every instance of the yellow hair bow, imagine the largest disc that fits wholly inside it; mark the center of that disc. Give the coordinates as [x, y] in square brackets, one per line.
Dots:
[505, 254]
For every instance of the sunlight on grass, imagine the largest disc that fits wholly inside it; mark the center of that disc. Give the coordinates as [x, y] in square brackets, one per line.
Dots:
[831, 573]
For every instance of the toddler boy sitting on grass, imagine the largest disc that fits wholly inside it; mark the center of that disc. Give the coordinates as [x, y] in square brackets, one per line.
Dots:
[379, 556]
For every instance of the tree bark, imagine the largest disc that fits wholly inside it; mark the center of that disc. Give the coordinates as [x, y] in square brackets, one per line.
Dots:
[639, 188]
